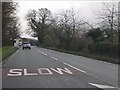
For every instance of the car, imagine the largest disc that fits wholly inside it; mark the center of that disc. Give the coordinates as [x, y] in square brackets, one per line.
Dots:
[26, 45]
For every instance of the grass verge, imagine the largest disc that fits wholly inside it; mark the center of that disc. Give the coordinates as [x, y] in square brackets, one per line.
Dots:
[89, 55]
[7, 51]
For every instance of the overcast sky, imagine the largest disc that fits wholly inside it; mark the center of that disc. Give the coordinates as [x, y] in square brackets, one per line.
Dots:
[85, 9]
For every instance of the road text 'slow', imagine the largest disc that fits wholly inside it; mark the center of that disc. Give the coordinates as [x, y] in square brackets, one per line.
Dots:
[40, 71]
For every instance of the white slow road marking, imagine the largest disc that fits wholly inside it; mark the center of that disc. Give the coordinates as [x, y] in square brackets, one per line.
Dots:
[41, 52]
[40, 71]
[54, 58]
[60, 71]
[101, 86]
[74, 67]
[47, 73]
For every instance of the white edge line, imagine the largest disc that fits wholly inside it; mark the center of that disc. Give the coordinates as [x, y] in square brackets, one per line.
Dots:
[74, 67]
[17, 51]
[54, 58]
[101, 86]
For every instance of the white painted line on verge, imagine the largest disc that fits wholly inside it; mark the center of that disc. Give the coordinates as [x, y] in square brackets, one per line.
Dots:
[101, 86]
[54, 58]
[74, 67]
[41, 52]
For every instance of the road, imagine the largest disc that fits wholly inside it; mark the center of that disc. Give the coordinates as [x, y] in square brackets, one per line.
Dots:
[44, 68]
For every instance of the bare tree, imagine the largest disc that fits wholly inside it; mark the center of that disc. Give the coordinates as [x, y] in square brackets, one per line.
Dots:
[68, 27]
[39, 21]
[109, 18]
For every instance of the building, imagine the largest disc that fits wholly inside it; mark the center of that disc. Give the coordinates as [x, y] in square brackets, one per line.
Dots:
[18, 42]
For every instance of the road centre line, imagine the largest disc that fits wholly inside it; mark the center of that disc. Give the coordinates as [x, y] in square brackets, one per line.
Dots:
[74, 67]
[84, 72]
[54, 58]
[89, 74]
[63, 62]
[46, 55]
[41, 52]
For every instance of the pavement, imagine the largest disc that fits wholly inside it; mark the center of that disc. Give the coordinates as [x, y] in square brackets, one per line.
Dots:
[44, 68]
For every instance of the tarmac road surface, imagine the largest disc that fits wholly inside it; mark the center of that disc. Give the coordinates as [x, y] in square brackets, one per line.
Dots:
[44, 68]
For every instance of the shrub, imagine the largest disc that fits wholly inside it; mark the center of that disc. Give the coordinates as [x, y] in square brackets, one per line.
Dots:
[109, 49]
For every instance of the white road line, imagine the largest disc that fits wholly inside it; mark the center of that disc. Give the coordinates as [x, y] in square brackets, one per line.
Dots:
[74, 67]
[41, 52]
[101, 86]
[82, 71]
[54, 58]
[17, 51]
[44, 53]
[89, 74]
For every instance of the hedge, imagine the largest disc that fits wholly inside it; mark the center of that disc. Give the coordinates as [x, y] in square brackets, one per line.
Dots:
[108, 49]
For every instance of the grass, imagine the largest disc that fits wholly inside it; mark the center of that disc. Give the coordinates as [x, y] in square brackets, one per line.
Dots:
[90, 55]
[7, 51]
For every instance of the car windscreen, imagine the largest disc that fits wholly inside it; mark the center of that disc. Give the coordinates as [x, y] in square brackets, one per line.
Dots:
[26, 43]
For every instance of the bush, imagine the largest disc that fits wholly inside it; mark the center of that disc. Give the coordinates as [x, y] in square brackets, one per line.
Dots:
[77, 45]
[104, 49]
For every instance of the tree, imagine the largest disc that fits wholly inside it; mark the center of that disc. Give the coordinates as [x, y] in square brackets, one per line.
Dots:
[96, 35]
[109, 18]
[39, 21]
[68, 27]
[10, 25]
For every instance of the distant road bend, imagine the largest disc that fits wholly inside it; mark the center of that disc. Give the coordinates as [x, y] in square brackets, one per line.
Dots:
[44, 68]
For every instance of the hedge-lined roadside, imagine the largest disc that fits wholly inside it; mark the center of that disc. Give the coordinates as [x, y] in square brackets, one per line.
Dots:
[89, 55]
[104, 49]
[7, 51]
